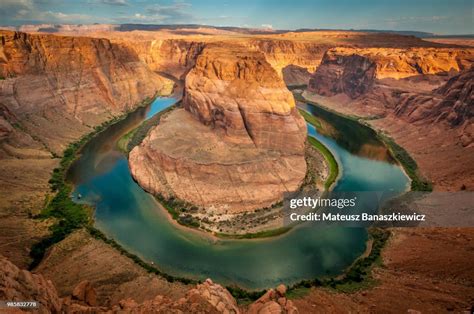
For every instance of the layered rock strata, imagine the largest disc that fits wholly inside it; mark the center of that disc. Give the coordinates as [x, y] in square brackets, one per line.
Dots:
[237, 145]
[452, 103]
[53, 90]
[352, 71]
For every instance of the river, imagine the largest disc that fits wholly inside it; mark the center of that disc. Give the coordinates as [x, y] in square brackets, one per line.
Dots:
[126, 213]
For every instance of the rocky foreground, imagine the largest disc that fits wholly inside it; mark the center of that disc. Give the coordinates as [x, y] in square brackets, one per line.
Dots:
[238, 143]
[207, 297]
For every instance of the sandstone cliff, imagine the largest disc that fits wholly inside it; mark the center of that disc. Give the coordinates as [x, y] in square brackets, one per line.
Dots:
[415, 95]
[237, 146]
[237, 92]
[353, 70]
[56, 88]
[53, 90]
[452, 103]
[170, 56]
[281, 53]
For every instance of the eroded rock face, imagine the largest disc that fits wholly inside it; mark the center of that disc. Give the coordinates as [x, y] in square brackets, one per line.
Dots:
[352, 75]
[53, 90]
[353, 70]
[237, 92]
[21, 285]
[273, 301]
[239, 143]
[452, 103]
[171, 56]
[57, 88]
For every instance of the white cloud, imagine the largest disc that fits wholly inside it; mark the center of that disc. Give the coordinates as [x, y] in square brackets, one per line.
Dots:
[62, 17]
[16, 8]
[267, 26]
[115, 2]
[178, 12]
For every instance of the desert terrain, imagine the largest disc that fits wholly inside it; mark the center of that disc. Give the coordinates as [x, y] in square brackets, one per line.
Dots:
[57, 88]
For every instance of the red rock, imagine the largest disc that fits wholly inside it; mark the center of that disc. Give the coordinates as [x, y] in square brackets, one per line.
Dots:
[238, 146]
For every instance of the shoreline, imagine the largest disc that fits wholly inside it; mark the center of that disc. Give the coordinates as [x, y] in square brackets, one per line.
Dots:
[191, 220]
[408, 165]
[68, 216]
[177, 217]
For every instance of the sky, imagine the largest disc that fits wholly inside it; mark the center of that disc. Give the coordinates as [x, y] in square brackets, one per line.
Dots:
[436, 16]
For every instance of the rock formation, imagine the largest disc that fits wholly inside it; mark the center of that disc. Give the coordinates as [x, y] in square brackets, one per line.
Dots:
[238, 144]
[353, 70]
[21, 285]
[353, 75]
[53, 90]
[273, 301]
[452, 103]
[58, 87]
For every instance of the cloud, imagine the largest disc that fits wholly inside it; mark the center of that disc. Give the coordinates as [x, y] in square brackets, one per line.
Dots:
[60, 17]
[175, 13]
[26, 11]
[16, 8]
[115, 2]
[267, 26]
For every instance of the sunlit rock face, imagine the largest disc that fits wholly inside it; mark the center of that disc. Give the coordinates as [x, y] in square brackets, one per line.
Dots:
[57, 88]
[239, 93]
[353, 70]
[236, 145]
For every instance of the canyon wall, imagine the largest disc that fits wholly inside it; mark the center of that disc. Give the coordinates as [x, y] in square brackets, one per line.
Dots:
[422, 97]
[237, 145]
[282, 53]
[353, 70]
[53, 90]
[56, 88]
[170, 56]
[452, 103]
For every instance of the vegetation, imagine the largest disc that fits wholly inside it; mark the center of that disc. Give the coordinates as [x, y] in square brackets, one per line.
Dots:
[333, 165]
[358, 275]
[179, 211]
[418, 183]
[256, 235]
[310, 119]
[137, 135]
[67, 215]
[244, 296]
[122, 143]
